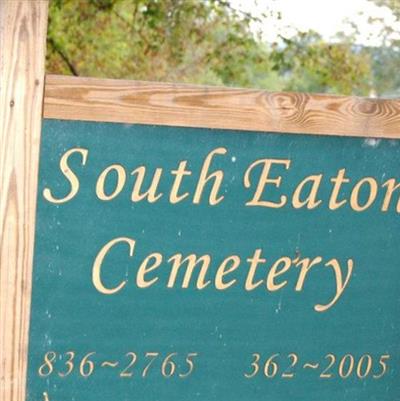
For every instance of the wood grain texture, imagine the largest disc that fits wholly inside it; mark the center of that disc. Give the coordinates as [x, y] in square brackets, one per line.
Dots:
[75, 98]
[22, 43]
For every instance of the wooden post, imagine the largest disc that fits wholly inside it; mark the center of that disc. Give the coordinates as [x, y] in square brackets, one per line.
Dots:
[23, 26]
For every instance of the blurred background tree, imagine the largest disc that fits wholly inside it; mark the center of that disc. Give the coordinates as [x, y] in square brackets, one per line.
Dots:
[386, 58]
[213, 42]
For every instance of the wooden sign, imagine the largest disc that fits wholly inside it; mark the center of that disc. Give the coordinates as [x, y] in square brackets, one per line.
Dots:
[210, 244]
[198, 263]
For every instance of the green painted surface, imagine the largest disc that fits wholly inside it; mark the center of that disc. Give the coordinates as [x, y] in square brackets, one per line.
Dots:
[225, 328]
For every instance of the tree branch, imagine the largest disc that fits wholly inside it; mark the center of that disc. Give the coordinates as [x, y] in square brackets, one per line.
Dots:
[57, 48]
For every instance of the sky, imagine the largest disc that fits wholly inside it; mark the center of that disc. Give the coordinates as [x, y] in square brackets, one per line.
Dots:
[324, 16]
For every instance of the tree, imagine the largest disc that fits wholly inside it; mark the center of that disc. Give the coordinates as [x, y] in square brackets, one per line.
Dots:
[196, 41]
[386, 58]
[393, 5]
[313, 65]
[169, 40]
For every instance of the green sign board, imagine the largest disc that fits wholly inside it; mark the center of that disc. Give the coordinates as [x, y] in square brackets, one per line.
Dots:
[182, 264]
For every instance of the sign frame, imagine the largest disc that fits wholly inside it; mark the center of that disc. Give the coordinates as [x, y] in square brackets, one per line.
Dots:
[24, 95]
[23, 27]
[183, 105]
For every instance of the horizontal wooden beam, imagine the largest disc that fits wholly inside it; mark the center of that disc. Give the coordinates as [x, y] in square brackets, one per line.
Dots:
[91, 99]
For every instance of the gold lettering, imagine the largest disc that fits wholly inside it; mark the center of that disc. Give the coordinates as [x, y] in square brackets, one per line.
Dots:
[179, 174]
[311, 200]
[121, 179]
[223, 270]
[354, 201]
[391, 187]
[264, 179]
[338, 181]
[145, 268]
[69, 174]
[192, 261]
[218, 177]
[306, 264]
[150, 194]
[97, 266]
[340, 285]
[274, 272]
[254, 261]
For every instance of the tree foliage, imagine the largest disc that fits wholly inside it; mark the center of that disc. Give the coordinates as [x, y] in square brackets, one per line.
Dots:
[394, 5]
[169, 40]
[386, 58]
[313, 65]
[197, 41]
